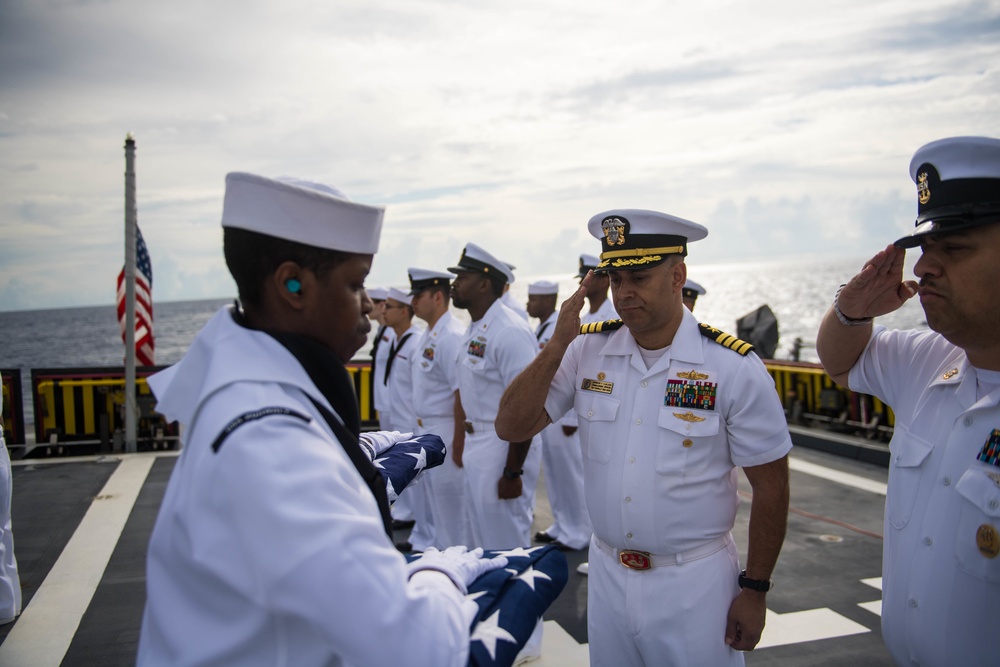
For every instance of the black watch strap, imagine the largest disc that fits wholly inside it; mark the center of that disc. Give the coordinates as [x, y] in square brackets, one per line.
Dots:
[512, 474]
[762, 585]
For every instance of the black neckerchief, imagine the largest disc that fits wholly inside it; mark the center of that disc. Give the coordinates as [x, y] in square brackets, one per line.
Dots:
[378, 339]
[393, 351]
[333, 381]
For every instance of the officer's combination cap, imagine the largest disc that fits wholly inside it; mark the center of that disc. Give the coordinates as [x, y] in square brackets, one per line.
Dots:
[958, 186]
[302, 211]
[421, 279]
[639, 239]
[587, 263]
[476, 260]
[692, 290]
[543, 288]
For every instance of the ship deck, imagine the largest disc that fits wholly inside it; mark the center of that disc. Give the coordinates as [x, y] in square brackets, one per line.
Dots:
[81, 527]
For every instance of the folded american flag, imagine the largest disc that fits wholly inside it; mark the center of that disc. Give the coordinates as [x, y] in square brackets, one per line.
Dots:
[402, 462]
[511, 600]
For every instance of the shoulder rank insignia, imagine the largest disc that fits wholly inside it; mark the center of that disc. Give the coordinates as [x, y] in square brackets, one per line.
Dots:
[725, 340]
[601, 327]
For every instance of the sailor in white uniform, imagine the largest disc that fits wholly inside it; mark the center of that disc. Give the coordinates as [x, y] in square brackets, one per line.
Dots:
[508, 299]
[10, 582]
[690, 293]
[271, 543]
[384, 338]
[668, 408]
[435, 393]
[497, 346]
[562, 457]
[941, 554]
[397, 376]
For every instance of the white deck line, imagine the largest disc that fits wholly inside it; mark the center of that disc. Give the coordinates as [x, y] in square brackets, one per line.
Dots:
[46, 627]
[838, 476]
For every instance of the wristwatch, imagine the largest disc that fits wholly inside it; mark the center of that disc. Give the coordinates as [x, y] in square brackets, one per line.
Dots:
[761, 585]
[512, 474]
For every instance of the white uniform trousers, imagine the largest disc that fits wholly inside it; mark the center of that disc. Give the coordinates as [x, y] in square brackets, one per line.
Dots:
[672, 615]
[10, 582]
[495, 523]
[446, 489]
[562, 460]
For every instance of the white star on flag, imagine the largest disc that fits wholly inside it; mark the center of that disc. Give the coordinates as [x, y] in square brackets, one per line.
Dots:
[519, 551]
[389, 491]
[529, 576]
[378, 462]
[489, 631]
[421, 459]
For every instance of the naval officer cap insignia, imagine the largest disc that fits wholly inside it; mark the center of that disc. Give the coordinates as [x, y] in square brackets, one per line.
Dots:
[476, 260]
[692, 290]
[958, 186]
[639, 239]
[399, 295]
[302, 211]
[543, 288]
[377, 293]
[421, 279]
[587, 263]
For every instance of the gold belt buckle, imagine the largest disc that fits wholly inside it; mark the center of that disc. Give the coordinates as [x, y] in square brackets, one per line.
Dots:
[468, 428]
[635, 560]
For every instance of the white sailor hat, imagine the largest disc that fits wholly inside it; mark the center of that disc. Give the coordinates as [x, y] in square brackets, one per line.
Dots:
[421, 279]
[639, 239]
[399, 295]
[958, 186]
[587, 263]
[543, 288]
[377, 293]
[476, 260]
[310, 213]
[691, 290]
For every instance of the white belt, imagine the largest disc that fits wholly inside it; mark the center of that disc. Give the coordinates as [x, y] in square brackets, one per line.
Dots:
[473, 426]
[643, 560]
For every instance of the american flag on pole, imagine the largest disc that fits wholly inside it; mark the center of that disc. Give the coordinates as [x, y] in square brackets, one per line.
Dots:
[143, 303]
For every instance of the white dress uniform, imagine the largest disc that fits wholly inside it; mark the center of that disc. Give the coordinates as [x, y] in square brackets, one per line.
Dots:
[381, 391]
[493, 352]
[562, 460]
[508, 300]
[10, 581]
[660, 447]
[435, 381]
[270, 550]
[941, 559]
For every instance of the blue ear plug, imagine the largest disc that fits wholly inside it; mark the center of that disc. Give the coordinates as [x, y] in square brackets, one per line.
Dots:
[293, 285]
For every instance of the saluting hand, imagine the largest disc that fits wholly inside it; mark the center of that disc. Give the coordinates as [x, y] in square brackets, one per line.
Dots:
[879, 288]
[568, 322]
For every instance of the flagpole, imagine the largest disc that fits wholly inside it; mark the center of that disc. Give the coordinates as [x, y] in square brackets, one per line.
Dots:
[130, 245]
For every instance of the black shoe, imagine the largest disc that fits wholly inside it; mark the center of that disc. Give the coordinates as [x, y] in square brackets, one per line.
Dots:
[402, 525]
[404, 547]
[543, 537]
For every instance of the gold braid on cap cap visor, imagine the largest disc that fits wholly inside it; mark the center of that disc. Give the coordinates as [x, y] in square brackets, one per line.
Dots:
[637, 256]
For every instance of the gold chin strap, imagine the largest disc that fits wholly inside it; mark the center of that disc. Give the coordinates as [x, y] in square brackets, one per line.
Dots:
[640, 252]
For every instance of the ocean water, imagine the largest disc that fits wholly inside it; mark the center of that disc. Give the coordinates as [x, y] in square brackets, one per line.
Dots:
[799, 291]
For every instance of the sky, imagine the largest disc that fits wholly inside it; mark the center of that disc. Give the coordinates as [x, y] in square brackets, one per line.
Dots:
[785, 127]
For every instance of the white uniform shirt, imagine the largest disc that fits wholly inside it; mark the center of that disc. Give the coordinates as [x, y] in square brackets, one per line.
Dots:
[940, 593]
[381, 391]
[544, 331]
[435, 376]
[493, 352]
[606, 311]
[402, 416]
[661, 478]
[271, 551]
[508, 300]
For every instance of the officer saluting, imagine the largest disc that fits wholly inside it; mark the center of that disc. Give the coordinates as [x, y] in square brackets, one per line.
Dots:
[667, 409]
